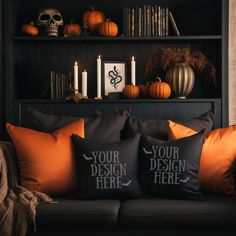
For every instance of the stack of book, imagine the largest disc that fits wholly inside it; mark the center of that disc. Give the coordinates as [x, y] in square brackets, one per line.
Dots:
[148, 21]
[60, 85]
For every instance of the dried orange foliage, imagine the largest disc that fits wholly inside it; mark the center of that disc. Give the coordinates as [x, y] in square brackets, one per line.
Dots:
[165, 57]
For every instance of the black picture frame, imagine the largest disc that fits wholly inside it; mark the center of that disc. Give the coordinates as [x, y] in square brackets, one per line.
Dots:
[121, 68]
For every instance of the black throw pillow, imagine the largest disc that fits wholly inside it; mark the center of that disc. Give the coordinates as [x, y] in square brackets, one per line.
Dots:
[108, 170]
[159, 128]
[170, 168]
[48, 123]
[102, 128]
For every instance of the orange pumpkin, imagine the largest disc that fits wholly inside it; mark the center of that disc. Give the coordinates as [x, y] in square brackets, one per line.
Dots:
[72, 30]
[93, 18]
[159, 89]
[30, 29]
[144, 90]
[131, 91]
[108, 28]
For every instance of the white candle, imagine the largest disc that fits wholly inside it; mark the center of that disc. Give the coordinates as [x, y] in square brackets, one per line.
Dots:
[84, 83]
[76, 78]
[133, 71]
[99, 76]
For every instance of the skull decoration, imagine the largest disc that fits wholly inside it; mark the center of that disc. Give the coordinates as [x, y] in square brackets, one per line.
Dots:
[50, 19]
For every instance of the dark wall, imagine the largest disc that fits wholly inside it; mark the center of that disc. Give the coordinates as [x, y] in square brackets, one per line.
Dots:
[2, 104]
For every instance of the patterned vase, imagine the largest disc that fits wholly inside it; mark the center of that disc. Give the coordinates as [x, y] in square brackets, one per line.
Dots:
[181, 79]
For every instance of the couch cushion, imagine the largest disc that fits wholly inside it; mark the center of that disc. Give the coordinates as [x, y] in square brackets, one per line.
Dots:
[69, 213]
[46, 161]
[218, 159]
[107, 171]
[215, 211]
[106, 127]
[170, 168]
[159, 128]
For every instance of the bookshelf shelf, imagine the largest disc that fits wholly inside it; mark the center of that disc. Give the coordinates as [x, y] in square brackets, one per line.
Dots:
[116, 39]
[91, 100]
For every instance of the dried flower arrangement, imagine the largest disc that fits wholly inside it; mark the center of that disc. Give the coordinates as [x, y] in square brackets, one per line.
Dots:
[165, 57]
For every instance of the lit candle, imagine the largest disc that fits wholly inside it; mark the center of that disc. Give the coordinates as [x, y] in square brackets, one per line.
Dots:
[99, 76]
[84, 83]
[76, 78]
[133, 71]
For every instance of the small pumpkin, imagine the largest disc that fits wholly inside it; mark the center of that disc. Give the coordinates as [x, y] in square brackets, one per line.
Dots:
[93, 18]
[72, 30]
[160, 89]
[131, 91]
[108, 28]
[30, 29]
[144, 90]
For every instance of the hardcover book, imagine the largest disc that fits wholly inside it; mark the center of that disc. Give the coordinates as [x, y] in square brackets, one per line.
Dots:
[153, 20]
[174, 25]
[145, 21]
[132, 23]
[148, 21]
[140, 22]
[167, 21]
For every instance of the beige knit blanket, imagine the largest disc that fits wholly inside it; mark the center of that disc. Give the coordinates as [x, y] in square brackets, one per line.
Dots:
[17, 204]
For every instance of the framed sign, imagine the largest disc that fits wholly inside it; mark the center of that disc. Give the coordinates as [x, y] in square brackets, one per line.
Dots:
[114, 76]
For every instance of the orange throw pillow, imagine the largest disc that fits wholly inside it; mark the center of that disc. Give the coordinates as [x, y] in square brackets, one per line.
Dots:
[46, 161]
[217, 165]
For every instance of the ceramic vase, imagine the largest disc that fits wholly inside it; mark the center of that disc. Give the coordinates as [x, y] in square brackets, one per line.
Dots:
[181, 78]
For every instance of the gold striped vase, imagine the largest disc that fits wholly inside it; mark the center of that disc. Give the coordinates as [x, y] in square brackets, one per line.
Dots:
[181, 79]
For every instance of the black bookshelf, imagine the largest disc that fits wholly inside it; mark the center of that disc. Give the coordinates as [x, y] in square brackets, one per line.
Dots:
[117, 39]
[107, 101]
[28, 60]
[149, 108]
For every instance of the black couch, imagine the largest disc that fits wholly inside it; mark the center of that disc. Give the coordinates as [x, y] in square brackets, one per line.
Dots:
[214, 216]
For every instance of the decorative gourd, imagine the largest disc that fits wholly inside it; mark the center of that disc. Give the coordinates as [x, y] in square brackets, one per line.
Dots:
[159, 89]
[93, 18]
[144, 90]
[72, 30]
[30, 29]
[108, 28]
[131, 91]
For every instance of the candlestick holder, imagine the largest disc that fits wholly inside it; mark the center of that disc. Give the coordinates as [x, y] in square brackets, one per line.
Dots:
[98, 98]
[84, 97]
[77, 97]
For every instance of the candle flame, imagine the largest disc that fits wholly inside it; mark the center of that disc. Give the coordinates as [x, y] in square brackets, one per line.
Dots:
[99, 56]
[76, 63]
[133, 58]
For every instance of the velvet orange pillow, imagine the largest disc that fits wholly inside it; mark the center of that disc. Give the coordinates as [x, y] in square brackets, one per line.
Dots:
[46, 161]
[217, 165]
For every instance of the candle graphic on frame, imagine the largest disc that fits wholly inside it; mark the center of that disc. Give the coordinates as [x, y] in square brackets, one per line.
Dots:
[99, 78]
[76, 78]
[133, 71]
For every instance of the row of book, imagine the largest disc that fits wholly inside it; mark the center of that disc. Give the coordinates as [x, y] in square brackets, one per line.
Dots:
[60, 85]
[148, 21]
